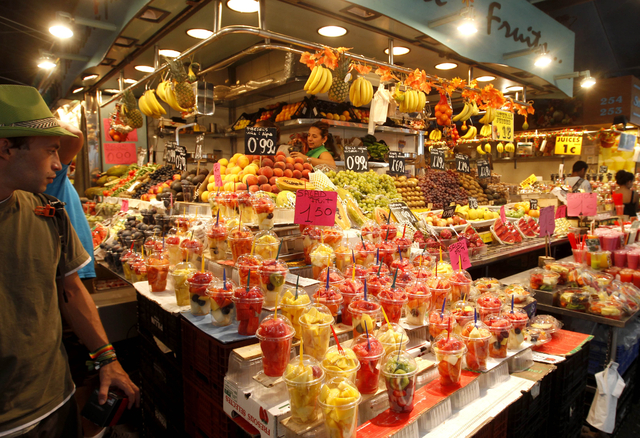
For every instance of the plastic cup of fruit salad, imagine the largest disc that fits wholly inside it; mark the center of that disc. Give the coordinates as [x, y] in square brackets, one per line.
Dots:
[441, 322]
[331, 297]
[157, 272]
[221, 298]
[292, 307]
[179, 274]
[392, 300]
[418, 304]
[303, 380]
[519, 320]
[365, 254]
[350, 289]
[198, 283]
[440, 289]
[449, 350]
[240, 241]
[315, 324]
[275, 335]
[338, 400]
[249, 264]
[399, 371]
[488, 304]
[263, 208]
[365, 313]
[266, 244]
[272, 274]
[393, 337]
[217, 240]
[376, 282]
[460, 285]
[368, 350]
[463, 312]
[499, 326]
[248, 301]
[476, 336]
[340, 364]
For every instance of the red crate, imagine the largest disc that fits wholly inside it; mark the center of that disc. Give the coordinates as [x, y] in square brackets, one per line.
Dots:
[204, 417]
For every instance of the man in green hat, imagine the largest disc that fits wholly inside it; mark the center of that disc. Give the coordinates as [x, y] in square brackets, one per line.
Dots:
[36, 390]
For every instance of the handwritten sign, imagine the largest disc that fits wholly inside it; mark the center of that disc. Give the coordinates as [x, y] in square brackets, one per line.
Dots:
[436, 157]
[503, 215]
[402, 213]
[484, 171]
[355, 158]
[217, 178]
[528, 181]
[181, 158]
[315, 207]
[547, 221]
[533, 204]
[259, 140]
[473, 202]
[396, 163]
[170, 152]
[120, 153]
[561, 212]
[448, 211]
[568, 145]
[459, 254]
[582, 204]
[462, 163]
[503, 126]
[125, 205]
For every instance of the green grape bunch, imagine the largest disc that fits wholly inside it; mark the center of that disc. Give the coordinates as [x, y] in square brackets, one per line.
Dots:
[369, 189]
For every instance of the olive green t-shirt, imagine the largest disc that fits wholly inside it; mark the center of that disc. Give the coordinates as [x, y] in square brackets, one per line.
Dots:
[34, 372]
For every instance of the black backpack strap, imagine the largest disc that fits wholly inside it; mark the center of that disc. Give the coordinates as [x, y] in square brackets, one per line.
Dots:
[576, 186]
[61, 225]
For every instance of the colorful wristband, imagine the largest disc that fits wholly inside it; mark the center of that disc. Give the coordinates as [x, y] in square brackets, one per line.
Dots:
[101, 350]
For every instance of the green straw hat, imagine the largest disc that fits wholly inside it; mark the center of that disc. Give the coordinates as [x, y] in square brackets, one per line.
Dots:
[23, 113]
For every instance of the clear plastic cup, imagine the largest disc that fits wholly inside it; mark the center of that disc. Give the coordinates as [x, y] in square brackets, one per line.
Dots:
[337, 364]
[240, 241]
[418, 304]
[350, 289]
[245, 207]
[275, 335]
[248, 303]
[633, 259]
[292, 307]
[248, 269]
[499, 326]
[266, 244]
[460, 285]
[157, 272]
[463, 312]
[310, 239]
[340, 412]
[263, 208]
[477, 343]
[222, 306]
[272, 276]
[191, 249]
[449, 352]
[331, 297]
[217, 241]
[124, 258]
[620, 258]
[369, 351]
[393, 337]
[399, 371]
[179, 274]
[579, 255]
[376, 282]
[392, 301]
[303, 382]
[441, 322]
[322, 257]
[315, 324]
[199, 300]
[343, 257]
[519, 320]
[172, 243]
[365, 254]
[543, 279]
[488, 304]
[440, 289]
[365, 313]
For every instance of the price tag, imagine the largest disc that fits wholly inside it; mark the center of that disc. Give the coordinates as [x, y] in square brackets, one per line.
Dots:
[462, 163]
[170, 152]
[436, 157]
[568, 145]
[503, 126]
[473, 202]
[561, 212]
[593, 244]
[448, 211]
[315, 207]
[582, 204]
[199, 144]
[181, 158]
[402, 213]
[484, 171]
[547, 221]
[503, 215]
[396, 163]
[528, 181]
[216, 175]
[459, 254]
[260, 140]
[355, 158]
[533, 204]
[603, 169]
[125, 205]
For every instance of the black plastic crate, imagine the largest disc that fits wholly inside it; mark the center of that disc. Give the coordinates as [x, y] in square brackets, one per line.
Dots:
[156, 423]
[528, 415]
[160, 370]
[571, 374]
[153, 320]
[204, 416]
[170, 409]
[567, 415]
[496, 428]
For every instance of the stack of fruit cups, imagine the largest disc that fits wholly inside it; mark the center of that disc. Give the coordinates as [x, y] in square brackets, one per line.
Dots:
[272, 274]
[339, 399]
[217, 240]
[393, 337]
[240, 241]
[476, 336]
[440, 289]
[179, 274]
[378, 280]
[449, 350]
[418, 304]
[322, 257]
[399, 371]
[338, 363]
[266, 244]
[343, 257]
[245, 207]
[350, 289]
[303, 378]
[365, 253]
[371, 232]
[315, 324]
[248, 301]
[292, 304]
[310, 239]
[460, 285]
[488, 304]
[392, 300]
[441, 322]
[220, 295]
[191, 249]
[263, 208]
[385, 250]
[157, 271]
[275, 334]
[519, 320]
[330, 297]
[365, 314]
[369, 351]
[499, 326]
[248, 267]
[198, 283]
[172, 244]
[332, 236]
[463, 312]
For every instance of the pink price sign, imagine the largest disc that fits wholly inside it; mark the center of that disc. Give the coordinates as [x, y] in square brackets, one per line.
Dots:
[459, 254]
[582, 204]
[503, 215]
[216, 175]
[315, 207]
[120, 153]
[125, 205]
[561, 212]
[547, 221]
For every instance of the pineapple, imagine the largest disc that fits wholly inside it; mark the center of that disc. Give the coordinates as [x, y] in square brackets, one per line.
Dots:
[182, 89]
[339, 88]
[129, 111]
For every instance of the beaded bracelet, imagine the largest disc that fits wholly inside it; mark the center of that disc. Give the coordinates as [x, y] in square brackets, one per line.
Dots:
[99, 364]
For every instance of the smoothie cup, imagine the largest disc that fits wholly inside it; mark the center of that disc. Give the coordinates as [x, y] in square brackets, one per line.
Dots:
[369, 351]
[172, 244]
[350, 289]
[499, 326]
[488, 304]
[263, 209]
[322, 257]
[199, 300]
[248, 301]
[340, 364]
[179, 274]
[519, 320]
[364, 313]
[245, 207]
[217, 240]
[392, 301]
[272, 274]
[620, 258]
[221, 299]
[418, 304]
[393, 338]
[157, 271]
[240, 241]
[339, 399]
[460, 285]
[315, 325]
[449, 352]
[292, 307]
[331, 297]
[303, 382]
[266, 244]
[476, 336]
[633, 259]
[275, 335]
[249, 264]
[441, 322]
[399, 371]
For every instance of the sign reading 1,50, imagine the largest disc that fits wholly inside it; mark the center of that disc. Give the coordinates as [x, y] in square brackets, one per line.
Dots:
[610, 101]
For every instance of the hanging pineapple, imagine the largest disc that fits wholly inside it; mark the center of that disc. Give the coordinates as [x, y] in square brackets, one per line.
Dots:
[129, 112]
[339, 88]
[181, 87]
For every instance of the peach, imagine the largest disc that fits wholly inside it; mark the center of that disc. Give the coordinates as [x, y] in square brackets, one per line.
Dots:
[243, 161]
[290, 166]
[290, 160]
[254, 188]
[305, 173]
[298, 166]
[288, 173]
[278, 172]
[280, 165]
[281, 158]
[280, 154]
[307, 166]
[241, 187]
[297, 174]
[272, 180]
[267, 162]
[252, 180]
[265, 187]
[267, 171]
[299, 160]
[275, 189]
[262, 180]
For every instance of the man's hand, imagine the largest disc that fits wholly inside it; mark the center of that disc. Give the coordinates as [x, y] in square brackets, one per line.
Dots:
[112, 374]
[70, 146]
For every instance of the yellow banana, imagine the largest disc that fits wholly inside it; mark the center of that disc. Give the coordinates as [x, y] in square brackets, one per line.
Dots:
[143, 106]
[484, 118]
[492, 115]
[320, 83]
[150, 98]
[487, 148]
[422, 100]
[352, 93]
[312, 77]
[474, 108]
[500, 148]
[471, 133]
[172, 101]
[461, 116]
[369, 91]
[480, 151]
[161, 90]
[327, 85]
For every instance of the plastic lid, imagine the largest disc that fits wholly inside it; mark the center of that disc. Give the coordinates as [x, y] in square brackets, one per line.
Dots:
[271, 265]
[468, 328]
[370, 305]
[271, 328]
[253, 294]
[390, 335]
[334, 361]
[460, 277]
[266, 237]
[399, 364]
[351, 287]
[517, 315]
[489, 301]
[310, 373]
[536, 336]
[288, 297]
[331, 295]
[242, 233]
[249, 261]
[342, 384]
[367, 347]
[335, 276]
[316, 314]
[546, 322]
[448, 344]
[498, 322]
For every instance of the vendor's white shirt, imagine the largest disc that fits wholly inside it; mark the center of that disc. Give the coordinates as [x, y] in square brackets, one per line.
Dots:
[572, 180]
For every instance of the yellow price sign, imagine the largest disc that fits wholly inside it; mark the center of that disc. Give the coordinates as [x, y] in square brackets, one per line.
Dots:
[530, 180]
[568, 145]
[503, 126]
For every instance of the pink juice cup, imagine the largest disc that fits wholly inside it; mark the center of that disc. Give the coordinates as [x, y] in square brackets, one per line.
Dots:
[633, 257]
[620, 258]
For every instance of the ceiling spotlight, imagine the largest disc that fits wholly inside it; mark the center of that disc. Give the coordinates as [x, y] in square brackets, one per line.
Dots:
[487, 78]
[514, 88]
[244, 6]
[90, 77]
[46, 63]
[201, 34]
[169, 53]
[60, 31]
[332, 31]
[145, 68]
[129, 81]
[468, 26]
[398, 51]
[77, 90]
[588, 82]
[542, 60]
[111, 91]
[446, 66]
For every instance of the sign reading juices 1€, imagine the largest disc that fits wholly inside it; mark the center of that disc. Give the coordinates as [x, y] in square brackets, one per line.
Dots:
[582, 204]
[568, 145]
[315, 207]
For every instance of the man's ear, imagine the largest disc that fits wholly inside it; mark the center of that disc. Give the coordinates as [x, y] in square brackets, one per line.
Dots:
[5, 149]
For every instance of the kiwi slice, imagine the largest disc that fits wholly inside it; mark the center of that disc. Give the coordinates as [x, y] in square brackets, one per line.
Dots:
[276, 279]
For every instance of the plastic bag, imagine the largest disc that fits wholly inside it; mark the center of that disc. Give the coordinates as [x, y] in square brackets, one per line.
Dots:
[379, 108]
[602, 414]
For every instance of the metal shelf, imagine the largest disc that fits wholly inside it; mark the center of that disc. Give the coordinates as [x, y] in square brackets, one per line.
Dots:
[338, 123]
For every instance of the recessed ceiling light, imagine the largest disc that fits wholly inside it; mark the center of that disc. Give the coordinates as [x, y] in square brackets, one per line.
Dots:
[130, 81]
[46, 63]
[111, 91]
[244, 6]
[332, 31]
[446, 66]
[77, 90]
[145, 68]
[398, 51]
[169, 53]
[90, 77]
[514, 88]
[201, 34]
[60, 31]
[486, 78]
